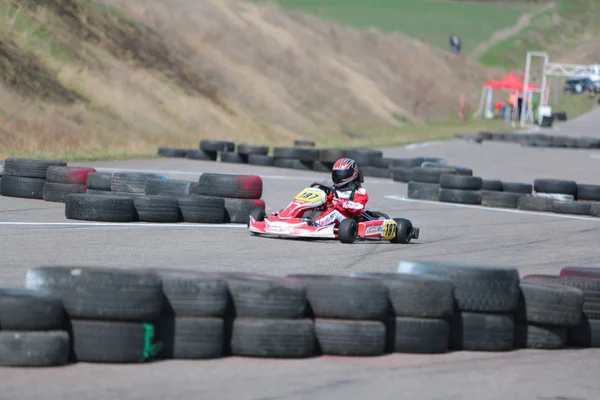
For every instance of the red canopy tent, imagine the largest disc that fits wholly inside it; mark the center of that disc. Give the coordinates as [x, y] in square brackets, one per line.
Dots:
[511, 82]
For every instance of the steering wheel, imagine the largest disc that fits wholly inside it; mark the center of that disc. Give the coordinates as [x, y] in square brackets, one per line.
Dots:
[324, 188]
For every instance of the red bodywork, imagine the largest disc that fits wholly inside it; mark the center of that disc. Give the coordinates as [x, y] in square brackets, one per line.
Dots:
[288, 222]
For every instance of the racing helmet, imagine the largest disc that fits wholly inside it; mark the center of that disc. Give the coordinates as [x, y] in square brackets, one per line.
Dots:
[345, 171]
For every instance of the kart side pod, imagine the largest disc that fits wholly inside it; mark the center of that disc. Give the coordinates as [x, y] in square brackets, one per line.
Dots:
[402, 231]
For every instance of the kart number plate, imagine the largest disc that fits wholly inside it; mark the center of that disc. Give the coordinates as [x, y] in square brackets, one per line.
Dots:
[309, 195]
[389, 230]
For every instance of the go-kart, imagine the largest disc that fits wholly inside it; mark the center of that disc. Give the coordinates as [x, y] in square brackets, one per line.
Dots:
[296, 220]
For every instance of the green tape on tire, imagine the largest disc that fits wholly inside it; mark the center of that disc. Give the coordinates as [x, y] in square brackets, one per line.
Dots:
[151, 349]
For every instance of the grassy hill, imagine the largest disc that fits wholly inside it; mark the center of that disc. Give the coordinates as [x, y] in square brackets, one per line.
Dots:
[115, 78]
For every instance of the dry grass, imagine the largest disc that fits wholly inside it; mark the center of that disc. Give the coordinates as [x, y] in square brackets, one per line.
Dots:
[280, 75]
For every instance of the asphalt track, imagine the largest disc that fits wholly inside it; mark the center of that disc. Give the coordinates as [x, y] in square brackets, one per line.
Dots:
[34, 232]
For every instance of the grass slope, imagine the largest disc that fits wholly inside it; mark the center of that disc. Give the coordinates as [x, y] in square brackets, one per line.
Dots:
[85, 79]
[432, 21]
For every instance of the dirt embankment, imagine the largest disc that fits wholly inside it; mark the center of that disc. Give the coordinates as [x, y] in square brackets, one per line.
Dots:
[132, 75]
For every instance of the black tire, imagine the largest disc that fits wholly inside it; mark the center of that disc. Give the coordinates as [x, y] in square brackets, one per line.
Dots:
[492, 185]
[551, 305]
[22, 187]
[190, 338]
[248, 149]
[237, 211]
[230, 185]
[91, 207]
[172, 152]
[34, 349]
[259, 159]
[589, 287]
[58, 192]
[595, 210]
[430, 174]
[364, 157]
[72, 175]
[531, 336]
[423, 191]
[170, 187]
[517, 187]
[289, 163]
[347, 231]
[462, 182]
[482, 332]
[131, 182]
[588, 192]
[350, 338]
[419, 296]
[156, 209]
[534, 203]
[555, 186]
[500, 199]
[201, 155]
[345, 297]
[258, 215]
[405, 162]
[29, 168]
[112, 342]
[297, 153]
[192, 294]
[571, 207]
[202, 209]
[273, 338]
[331, 155]
[319, 166]
[476, 288]
[419, 335]
[30, 310]
[460, 196]
[101, 293]
[232, 157]
[586, 334]
[98, 180]
[402, 174]
[259, 296]
[404, 231]
[216, 145]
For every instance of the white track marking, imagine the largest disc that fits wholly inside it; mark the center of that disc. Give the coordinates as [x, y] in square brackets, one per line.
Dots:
[483, 208]
[123, 224]
[413, 146]
[277, 177]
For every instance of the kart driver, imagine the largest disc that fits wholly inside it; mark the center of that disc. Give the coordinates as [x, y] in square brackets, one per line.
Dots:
[348, 198]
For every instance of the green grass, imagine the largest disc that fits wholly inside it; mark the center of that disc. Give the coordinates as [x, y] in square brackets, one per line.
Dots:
[555, 32]
[430, 20]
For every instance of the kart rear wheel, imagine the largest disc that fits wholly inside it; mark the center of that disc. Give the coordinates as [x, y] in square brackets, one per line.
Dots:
[403, 231]
[347, 230]
[258, 215]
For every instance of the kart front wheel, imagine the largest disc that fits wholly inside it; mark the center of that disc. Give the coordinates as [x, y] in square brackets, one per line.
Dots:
[404, 231]
[258, 215]
[347, 230]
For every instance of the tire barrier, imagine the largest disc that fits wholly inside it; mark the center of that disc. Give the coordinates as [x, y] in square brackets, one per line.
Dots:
[303, 156]
[535, 140]
[68, 314]
[90, 195]
[446, 184]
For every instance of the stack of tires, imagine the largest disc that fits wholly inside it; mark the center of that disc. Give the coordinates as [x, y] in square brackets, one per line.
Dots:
[269, 317]
[62, 181]
[295, 157]
[421, 309]
[238, 195]
[425, 183]
[590, 194]
[210, 150]
[349, 314]
[192, 322]
[110, 311]
[32, 329]
[25, 177]
[461, 189]
[486, 301]
[98, 182]
[493, 194]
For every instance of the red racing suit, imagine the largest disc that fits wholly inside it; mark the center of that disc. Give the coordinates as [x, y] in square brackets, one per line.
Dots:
[345, 203]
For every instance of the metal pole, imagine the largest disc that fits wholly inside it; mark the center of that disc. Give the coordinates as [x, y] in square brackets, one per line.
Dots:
[543, 92]
[525, 88]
